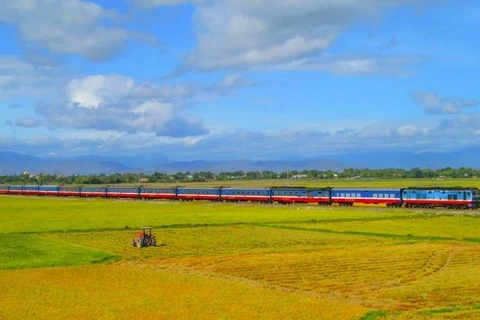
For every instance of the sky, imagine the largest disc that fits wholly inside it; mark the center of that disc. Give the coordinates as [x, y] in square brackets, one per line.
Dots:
[238, 79]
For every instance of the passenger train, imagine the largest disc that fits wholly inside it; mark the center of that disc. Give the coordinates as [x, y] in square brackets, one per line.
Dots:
[412, 197]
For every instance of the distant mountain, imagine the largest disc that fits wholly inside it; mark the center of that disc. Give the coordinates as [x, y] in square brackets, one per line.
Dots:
[138, 161]
[407, 160]
[248, 165]
[15, 163]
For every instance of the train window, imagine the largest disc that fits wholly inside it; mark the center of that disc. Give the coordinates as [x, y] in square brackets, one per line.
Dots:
[375, 195]
[342, 195]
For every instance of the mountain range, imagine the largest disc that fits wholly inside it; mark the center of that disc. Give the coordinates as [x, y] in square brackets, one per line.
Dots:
[15, 163]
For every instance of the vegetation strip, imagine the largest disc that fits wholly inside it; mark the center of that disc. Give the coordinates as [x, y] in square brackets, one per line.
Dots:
[214, 225]
[448, 310]
[372, 234]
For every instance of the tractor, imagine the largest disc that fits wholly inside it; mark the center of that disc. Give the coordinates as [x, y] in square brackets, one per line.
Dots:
[144, 238]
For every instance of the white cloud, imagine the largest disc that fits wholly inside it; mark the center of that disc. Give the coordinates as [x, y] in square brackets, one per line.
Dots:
[65, 26]
[455, 134]
[19, 78]
[154, 3]
[167, 92]
[92, 91]
[366, 65]
[434, 104]
[28, 122]
[114, 102]
[408, 131]
[232, 81]
[252, 33]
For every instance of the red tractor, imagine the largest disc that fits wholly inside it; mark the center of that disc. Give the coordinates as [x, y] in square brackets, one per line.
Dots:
[144, 239]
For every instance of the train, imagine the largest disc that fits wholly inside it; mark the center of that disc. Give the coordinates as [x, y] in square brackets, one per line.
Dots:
[411, 197]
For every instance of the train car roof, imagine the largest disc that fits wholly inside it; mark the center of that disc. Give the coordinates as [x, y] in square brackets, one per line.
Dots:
[368, 189]
[245, 188]
[209, 188]
[440, 188]
[300, 187]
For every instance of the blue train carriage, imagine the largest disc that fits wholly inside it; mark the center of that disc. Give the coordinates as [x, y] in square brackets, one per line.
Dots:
[4, 189]
[31, 190]
[287, 194]
[46, 190]
[93, 192]
[448, 197]
[123, 192]
[158, 193]
[192, 193]
[15, 189]
[391, 197]
[235, 194]
[69, 191]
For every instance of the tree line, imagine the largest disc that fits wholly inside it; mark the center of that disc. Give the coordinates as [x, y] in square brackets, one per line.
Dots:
[204, 176]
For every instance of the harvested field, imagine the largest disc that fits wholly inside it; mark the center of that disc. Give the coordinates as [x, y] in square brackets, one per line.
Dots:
[132, 292]
[395, 278]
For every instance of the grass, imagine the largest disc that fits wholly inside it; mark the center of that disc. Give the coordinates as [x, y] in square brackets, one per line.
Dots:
[36, 214]
[453, 227]
[213, 241]
[72, 259]
[33, 251]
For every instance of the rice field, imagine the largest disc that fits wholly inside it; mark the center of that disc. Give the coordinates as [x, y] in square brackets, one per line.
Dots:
[72, 259]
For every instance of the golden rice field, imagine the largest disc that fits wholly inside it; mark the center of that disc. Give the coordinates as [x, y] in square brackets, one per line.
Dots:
[72, 259]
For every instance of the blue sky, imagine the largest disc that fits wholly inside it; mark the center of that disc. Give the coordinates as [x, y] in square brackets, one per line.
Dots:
[236, 79]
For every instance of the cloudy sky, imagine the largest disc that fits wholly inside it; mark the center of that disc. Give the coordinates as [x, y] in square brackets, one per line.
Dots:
[236, 79]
